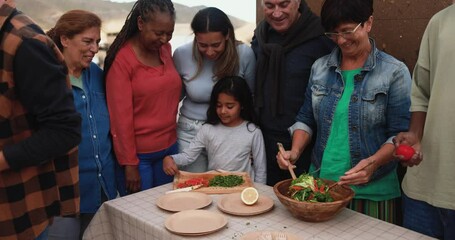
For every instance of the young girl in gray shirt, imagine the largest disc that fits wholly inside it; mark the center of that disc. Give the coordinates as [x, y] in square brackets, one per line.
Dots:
[230, 136]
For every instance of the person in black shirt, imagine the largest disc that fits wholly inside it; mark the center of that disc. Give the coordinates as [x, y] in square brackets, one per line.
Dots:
[286, 44]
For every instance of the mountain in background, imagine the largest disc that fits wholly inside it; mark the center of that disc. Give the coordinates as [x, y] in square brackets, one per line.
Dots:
[113, 14]
[47, 12]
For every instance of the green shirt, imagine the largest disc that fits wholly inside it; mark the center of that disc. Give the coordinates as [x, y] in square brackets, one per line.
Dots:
[76, 81]
[336, 159]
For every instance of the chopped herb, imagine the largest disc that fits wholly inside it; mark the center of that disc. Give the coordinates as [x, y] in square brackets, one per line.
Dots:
[226, 181]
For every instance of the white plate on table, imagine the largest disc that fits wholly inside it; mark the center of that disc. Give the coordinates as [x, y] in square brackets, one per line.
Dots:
[195, 222]
[232, 204]
[180, 201]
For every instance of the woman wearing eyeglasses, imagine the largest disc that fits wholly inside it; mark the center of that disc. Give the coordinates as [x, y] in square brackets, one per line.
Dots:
[357, 100]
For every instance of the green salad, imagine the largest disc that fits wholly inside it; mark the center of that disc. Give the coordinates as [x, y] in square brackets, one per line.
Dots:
[309, 189]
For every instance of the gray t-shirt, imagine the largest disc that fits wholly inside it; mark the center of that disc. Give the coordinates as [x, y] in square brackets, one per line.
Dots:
[239, 148]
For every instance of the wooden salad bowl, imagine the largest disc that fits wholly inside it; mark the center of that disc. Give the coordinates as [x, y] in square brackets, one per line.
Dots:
[318, 211]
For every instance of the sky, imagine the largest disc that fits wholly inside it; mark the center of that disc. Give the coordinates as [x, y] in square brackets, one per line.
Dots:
[243, 9]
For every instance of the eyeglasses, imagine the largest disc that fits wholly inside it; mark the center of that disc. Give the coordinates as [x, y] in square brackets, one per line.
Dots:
[346, 35]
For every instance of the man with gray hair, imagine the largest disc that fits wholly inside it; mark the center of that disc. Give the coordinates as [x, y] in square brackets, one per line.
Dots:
[286, 44]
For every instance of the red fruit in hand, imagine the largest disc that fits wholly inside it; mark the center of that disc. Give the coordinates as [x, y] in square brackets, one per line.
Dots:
[405, 151]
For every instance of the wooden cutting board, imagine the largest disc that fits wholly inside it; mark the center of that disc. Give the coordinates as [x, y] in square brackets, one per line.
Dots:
[183, 176]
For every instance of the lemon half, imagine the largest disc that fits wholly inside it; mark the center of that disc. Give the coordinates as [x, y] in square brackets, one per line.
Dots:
[249, 195]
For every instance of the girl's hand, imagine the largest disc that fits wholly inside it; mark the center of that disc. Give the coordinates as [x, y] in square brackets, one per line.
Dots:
[133, 179]
[360, 174]
[411, 139]
[285, 158]
[169, 166]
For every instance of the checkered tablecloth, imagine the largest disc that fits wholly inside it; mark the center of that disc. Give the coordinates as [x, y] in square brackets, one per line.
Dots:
[137, 217]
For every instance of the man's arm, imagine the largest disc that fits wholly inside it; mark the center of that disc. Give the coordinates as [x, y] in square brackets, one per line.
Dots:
[42, 89]
[417, 124]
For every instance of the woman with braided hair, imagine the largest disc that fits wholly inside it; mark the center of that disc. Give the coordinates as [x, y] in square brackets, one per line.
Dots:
[143, 89]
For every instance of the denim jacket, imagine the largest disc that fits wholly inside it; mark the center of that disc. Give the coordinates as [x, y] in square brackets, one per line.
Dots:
[96, 157]
[378, 109]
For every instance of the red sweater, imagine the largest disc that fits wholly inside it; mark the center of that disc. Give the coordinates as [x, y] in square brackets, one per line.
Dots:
[142, 102]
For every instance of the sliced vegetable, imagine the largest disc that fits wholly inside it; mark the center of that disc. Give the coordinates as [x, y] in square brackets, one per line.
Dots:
[193, 182]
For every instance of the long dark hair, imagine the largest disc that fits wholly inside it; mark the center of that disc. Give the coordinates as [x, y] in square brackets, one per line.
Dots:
[238, 88]
[212, 19]
[143, 9]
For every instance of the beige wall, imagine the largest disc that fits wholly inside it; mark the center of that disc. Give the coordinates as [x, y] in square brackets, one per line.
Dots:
[398, 25]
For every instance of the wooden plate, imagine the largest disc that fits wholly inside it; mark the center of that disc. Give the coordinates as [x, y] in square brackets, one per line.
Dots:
[181, 201]
[183, 176]
[195, 222]
[232, 204]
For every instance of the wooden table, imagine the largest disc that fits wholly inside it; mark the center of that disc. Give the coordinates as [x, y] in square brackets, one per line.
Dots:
[137, 217]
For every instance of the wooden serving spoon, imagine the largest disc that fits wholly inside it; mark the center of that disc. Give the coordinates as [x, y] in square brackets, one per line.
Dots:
[290, 165]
